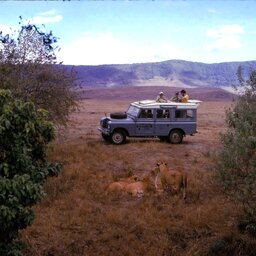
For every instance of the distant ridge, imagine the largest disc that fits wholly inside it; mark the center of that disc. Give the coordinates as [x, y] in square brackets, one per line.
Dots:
[175, 73]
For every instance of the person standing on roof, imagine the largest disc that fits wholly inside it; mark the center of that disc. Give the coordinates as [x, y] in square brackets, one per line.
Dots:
[161, 98]
[185, 97]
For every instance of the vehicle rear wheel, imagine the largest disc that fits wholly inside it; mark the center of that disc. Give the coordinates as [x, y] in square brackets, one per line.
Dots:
[105, 137]
[175, 137]
[118, 137]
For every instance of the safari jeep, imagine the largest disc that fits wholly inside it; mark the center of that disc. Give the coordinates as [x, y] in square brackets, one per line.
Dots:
[169, 121]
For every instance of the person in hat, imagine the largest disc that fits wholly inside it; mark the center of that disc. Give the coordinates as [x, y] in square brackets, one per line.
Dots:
[185, 96]
[175, 98]
[161, 98]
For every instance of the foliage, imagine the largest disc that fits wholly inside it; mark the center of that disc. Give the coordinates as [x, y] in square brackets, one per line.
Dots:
[24, 135]
[29, 68]
[236, 167]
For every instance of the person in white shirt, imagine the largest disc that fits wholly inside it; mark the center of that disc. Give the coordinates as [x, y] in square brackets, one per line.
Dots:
[161, 98]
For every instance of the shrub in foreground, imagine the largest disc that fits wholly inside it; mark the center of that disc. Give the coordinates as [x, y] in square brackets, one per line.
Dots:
[236, 168]
[24, 135]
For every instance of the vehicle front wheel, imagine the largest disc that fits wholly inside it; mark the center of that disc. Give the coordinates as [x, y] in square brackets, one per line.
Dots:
[118, 137]
[175, 137]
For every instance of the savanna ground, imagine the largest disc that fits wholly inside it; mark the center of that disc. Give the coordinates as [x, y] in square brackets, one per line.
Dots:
[77, 216]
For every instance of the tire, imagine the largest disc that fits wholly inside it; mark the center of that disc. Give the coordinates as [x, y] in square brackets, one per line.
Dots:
[175, 136]
[105, 137]
[118, 115]
[118, 137]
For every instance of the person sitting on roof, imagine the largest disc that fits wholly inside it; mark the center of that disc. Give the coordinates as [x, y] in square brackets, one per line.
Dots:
[161, 98]
[175, 98]
[185, 96]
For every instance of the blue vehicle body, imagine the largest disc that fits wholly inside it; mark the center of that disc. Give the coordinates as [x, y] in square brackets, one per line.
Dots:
[169, 121]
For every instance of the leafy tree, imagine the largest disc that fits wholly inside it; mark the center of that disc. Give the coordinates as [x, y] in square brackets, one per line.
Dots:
[236, 166]
[24, 135]
[29, 68]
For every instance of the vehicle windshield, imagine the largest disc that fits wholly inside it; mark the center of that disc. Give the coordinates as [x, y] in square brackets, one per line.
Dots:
[133, 111]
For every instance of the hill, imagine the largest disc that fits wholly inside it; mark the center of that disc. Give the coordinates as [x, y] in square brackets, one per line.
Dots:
[177, 73]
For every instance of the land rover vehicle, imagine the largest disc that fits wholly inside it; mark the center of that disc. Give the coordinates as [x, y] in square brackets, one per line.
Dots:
[169, 121]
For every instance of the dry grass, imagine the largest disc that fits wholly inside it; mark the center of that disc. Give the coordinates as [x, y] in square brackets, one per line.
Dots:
[77, 217]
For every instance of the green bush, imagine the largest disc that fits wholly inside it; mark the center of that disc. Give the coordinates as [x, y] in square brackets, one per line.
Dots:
[236, 168]
[24, 135]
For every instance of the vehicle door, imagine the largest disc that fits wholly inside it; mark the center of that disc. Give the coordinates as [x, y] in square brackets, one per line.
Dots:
[163, 122]
[145, 123]
[185, 119]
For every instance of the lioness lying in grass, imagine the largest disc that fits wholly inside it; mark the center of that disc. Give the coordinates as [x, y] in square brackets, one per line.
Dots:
[133, 185]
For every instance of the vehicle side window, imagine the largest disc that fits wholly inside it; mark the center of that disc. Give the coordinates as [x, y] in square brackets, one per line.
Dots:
[167, 113]
[159, 113]
[190, 113]
[163, 113]
[184, 114]
[146, 113]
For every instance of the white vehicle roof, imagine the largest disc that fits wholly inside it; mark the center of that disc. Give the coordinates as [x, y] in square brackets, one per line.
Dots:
[191, 104]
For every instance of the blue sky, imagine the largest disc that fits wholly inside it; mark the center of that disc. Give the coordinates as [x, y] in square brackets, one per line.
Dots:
[118, 32]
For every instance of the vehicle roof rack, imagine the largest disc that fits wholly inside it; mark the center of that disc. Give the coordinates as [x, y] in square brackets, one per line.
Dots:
[153, 103]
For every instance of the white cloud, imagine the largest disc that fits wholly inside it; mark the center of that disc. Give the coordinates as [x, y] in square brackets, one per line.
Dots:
[225, 37]
[50, 16]
[43, 20]
[6, 29]
[105, 48]
[225, 30]
[50, 12]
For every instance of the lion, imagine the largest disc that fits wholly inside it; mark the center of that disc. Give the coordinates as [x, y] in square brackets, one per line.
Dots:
[146, 184]
[120, 185]
[171, 180]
